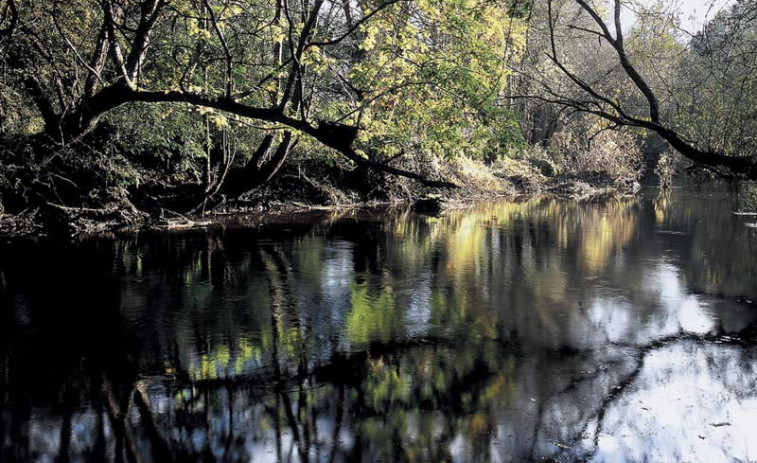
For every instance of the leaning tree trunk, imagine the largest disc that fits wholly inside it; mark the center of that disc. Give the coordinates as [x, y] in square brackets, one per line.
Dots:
[258, 169]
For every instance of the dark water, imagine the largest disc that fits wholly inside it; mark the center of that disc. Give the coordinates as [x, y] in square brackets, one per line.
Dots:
[613, 332]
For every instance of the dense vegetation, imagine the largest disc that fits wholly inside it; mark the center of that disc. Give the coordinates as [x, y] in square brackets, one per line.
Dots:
[125, 106]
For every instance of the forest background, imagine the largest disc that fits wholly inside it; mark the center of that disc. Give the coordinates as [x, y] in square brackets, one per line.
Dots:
[122, 111]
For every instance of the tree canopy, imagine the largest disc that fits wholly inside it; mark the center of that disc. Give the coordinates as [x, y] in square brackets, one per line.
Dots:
[214, 96]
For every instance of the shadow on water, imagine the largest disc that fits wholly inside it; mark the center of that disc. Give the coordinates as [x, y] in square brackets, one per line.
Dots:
[534, 331]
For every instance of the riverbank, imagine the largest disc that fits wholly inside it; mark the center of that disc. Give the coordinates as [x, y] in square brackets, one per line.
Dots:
[296, 191]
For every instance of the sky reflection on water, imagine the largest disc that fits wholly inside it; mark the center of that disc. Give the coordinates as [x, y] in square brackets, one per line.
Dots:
[615, 331]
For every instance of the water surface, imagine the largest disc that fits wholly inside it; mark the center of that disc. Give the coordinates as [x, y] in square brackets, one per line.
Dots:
[544, 330]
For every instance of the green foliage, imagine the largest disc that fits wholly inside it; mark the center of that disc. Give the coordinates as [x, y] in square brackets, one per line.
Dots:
[420, 80]
[432, 77]
[165, 139]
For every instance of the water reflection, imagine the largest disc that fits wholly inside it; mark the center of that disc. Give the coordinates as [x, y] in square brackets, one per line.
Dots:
[613, 331]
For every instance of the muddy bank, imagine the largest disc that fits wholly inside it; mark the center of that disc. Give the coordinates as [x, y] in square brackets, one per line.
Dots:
[295, 192]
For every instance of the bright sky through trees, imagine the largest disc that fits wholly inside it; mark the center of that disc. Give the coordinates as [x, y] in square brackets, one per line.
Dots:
[697, 12]
[693, 13]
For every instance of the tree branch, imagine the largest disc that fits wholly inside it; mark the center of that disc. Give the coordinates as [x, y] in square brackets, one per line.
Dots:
[10, 13]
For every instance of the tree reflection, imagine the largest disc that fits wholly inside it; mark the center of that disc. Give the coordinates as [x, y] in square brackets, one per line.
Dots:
[506, 332]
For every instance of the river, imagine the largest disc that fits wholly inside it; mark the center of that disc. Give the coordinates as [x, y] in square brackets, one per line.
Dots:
[621, 330]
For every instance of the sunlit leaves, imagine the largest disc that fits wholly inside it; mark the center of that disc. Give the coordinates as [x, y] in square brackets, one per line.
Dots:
[432, 76]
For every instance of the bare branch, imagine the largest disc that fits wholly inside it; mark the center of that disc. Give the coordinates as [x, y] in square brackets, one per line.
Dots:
[10, 13]
[356, 25]
[225, 46]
